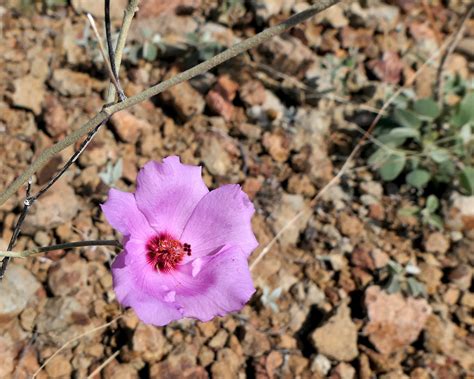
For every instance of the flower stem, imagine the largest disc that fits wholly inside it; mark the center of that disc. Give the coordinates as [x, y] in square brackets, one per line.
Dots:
[61, 246]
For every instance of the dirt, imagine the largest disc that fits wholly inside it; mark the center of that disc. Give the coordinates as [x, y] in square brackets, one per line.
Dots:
[280, 121]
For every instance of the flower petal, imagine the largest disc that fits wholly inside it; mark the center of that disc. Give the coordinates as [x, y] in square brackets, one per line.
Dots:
[222, 286]
[168, 192]
[222, 217]
[122, 213]
[149, 309]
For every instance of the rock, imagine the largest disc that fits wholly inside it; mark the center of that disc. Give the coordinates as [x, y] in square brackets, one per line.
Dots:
[285, 210]
[178, 364]
[321, 365]
[441, 337]
[154, 8]
[294, 366]
[350, 225]
[67, 276]
[71, 83]
[97, 9]
[420, 373]
[148, 341]
[59, 367]
[389, 68]
[372, 188]
[252, 93]
[186, 101]
[122, 371]
[74, 320]
[215, 156]
[460, 216]
[301, 184]
[220, 98]
[268, 8]
[227, 365]
[57, 206]
[451, 296]
[273, 362]
[337, 338]
[334, 16]
[17, 287]
[255, 343]
[468, 299]
[219, 105]
[289, 54]
[277, 145]
[207, 329]
[466, 47]
[461, 276]
[206, 356]
[29, 93]
[343, 371]
[437, 243]
[394, 322]
[431, 276]
[219, 340]
[129, 127]
[251, 186]
[9, 353]
[356, 38]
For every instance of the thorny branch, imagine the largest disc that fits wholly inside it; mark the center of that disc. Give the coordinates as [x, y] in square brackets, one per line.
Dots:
[106, 112]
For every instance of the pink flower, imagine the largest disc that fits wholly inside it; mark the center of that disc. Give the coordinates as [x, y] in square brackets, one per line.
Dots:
[185, 248]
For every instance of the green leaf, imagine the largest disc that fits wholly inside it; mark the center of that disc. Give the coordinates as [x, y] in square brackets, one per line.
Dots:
[415, 287]
[404, 133]
[432, 203]
[393, 285]
[407, 118]
[377, 156]
[465, 112]
[440, 155]
[392, 166]
[428, 109]
[466, 133]
[408, 211]
[418, 178]
[435, 221]
[150, 51]
[466, 179]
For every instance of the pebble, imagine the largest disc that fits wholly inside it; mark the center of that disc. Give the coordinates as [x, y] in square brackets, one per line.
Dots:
[337, 338]
[29, 93]
[17, 288]
[437, 243]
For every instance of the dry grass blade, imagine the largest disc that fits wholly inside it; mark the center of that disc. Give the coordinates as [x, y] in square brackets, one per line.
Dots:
[96, 329]
[103, 365]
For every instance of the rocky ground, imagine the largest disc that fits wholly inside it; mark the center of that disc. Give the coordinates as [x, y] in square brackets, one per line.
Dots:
[280, 121]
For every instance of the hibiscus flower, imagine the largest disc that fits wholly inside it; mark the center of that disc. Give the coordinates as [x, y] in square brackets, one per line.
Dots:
[185, 249]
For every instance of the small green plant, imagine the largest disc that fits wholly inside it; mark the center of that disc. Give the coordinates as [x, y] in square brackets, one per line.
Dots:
[428, 213]
[403, 279]
[427, 143]
[112, 172]
[269, 298]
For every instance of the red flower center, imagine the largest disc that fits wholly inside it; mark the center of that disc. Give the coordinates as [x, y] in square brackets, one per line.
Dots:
[164, 252]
